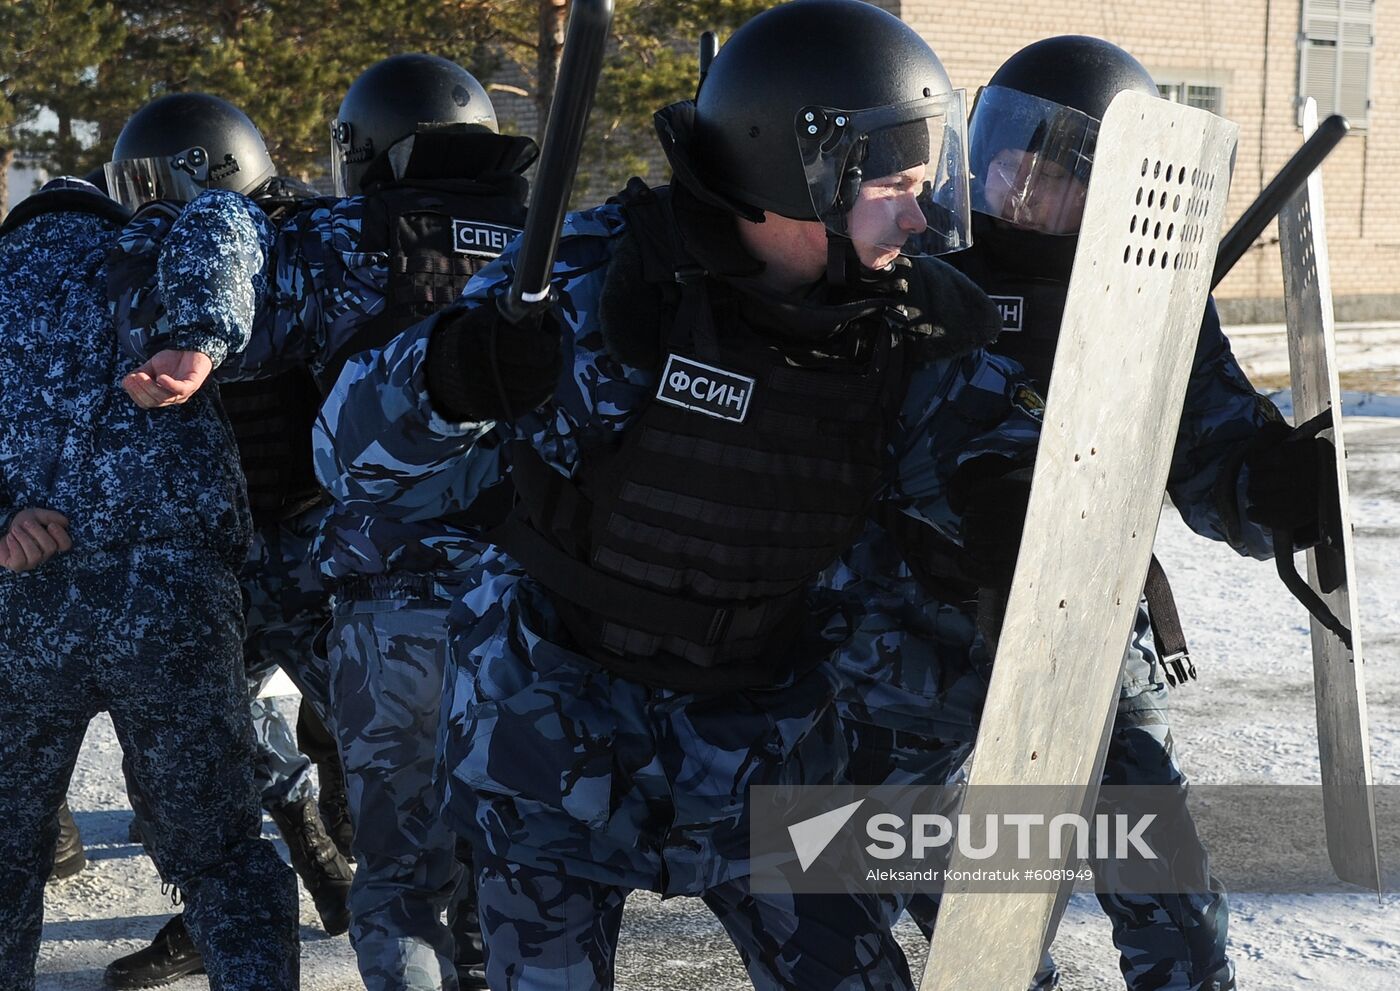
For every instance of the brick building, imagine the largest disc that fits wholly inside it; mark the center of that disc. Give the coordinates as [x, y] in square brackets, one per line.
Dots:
[1250, 60]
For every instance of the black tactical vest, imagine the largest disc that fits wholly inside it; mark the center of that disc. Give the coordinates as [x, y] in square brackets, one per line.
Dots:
[683, 556]
[437, 234]
[1031, 310]
[272, 420]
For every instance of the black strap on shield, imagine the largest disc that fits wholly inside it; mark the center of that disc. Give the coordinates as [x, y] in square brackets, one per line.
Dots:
[1330, 564]
[1166, 626]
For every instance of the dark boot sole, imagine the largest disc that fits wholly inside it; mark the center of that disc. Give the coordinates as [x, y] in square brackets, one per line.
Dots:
[135, 984]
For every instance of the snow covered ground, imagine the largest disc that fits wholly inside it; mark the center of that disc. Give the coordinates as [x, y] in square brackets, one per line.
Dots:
[1248, 720]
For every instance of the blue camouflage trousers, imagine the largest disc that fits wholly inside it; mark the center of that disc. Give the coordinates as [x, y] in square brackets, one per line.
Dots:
[1166, 942]
[551, 931]
[153, 638]
[579, 786]
[387, 666]
[286, 606]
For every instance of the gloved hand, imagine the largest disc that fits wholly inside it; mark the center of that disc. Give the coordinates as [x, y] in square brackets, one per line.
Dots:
[483, 367]
[1290, 472]
[991, 493]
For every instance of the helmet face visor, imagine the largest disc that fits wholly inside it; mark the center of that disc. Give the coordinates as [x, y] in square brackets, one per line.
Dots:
[1031, 160]
[135, 181]
[891, 179]
[340, 150]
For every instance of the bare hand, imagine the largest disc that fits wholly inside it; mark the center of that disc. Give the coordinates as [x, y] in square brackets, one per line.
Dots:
[35, 535]
[168, 379]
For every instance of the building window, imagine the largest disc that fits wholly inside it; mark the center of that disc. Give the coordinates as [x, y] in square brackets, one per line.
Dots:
[1206, 96]
[1334, 58]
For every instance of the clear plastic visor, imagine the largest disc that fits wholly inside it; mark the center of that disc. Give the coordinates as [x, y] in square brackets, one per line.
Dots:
[892, 179]
[136, 181]
[339, 179]
[1030, 160]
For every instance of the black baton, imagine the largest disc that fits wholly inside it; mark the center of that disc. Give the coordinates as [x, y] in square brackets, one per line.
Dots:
[1266, 207]
[709, 48]
[585, 43]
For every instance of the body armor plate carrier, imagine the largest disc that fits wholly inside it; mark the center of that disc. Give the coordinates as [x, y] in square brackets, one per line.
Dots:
[684, 556]
[272, 420]
[437, 234]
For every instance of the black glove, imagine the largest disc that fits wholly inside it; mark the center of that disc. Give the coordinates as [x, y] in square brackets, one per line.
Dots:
[483, 367]
[991, 493]
[1290, 473]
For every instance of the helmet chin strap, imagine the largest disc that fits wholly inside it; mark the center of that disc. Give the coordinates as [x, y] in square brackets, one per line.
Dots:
[842, 263]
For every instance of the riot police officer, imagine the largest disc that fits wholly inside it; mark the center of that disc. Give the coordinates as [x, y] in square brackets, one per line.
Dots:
[920, 680]
[696, 428]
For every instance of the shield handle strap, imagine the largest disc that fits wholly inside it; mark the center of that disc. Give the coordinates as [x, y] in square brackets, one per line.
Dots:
[1283, 554]
[1302, 591]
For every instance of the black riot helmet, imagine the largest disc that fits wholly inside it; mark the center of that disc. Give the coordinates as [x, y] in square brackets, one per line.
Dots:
[809, 106]
[1035, 125]
[390, 101]
[177, 146]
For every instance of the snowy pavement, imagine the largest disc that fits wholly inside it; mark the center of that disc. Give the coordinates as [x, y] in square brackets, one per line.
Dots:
[1248, 720]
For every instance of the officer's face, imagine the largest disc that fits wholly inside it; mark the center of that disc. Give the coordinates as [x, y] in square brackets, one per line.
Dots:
[886, 215]
[1029, 191]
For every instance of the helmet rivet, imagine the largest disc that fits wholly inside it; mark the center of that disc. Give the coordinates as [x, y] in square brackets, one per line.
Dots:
[812, 129]
[810, 116]
[840, 121]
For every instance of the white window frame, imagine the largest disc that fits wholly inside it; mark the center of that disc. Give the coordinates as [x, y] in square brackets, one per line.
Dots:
[1338, 36]
[1176, 90]
[1173, 85]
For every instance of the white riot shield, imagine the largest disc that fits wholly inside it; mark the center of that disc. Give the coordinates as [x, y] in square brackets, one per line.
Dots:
[1132, 317]
[1342, 734]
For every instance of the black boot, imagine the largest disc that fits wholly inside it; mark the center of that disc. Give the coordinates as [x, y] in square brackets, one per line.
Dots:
[465, 923]
[323, 871]
[1222, 980]
[335, 807]
[171, 955]
[68, 855]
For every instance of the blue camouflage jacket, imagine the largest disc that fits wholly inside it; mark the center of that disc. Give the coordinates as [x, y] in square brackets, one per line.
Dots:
[70, 437]
[381, 446]
[316, 291]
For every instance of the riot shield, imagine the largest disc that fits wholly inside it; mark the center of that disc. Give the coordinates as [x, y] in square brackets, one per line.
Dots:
[1141, 276]
[1342, 734]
